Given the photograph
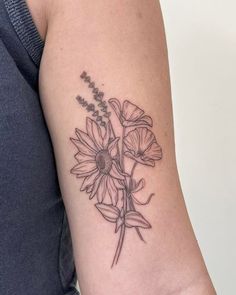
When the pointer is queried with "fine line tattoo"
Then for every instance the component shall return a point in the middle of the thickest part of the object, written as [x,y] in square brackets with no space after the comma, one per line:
[101,157]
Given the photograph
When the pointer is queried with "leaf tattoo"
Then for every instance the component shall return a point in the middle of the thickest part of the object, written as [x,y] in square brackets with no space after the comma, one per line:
[101,156]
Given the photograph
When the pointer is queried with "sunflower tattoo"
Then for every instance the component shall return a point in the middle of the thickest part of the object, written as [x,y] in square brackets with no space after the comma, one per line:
[101,156]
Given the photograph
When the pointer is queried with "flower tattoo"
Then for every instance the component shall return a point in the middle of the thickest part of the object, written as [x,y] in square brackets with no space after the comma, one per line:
[141,146]
[96,162]
[129,114]
[101,157]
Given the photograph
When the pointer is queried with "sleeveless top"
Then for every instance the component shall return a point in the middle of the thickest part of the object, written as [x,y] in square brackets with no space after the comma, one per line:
[35,244]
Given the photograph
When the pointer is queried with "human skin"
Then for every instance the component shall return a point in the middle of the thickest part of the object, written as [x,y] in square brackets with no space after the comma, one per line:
[121,45]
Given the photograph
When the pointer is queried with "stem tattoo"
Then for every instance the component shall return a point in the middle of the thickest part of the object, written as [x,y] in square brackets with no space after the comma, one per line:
[101,157]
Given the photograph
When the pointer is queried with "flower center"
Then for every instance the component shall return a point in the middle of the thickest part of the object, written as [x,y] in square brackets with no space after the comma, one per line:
[140,153]
[104,161]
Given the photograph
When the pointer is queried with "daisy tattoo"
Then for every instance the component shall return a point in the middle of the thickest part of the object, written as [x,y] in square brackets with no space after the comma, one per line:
[101,157]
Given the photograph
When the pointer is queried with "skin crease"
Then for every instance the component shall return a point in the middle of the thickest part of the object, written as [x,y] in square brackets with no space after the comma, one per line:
[39,15]
[180,269]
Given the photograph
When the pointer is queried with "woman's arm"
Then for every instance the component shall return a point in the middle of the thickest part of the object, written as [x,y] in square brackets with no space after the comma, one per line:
[105,91]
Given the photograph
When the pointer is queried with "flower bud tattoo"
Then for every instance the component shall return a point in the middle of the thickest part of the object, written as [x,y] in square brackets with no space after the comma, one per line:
[101,156]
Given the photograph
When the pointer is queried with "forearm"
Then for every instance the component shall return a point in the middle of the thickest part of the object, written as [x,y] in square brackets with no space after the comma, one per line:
[125,56]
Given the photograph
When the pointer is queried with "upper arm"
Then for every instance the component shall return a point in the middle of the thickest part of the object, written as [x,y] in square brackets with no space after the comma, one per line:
[121,47]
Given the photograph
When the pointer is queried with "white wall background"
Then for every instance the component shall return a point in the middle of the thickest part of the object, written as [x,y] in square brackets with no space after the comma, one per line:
[201,37]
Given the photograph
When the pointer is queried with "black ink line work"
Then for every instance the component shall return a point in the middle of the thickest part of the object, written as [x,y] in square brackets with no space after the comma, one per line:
[101,158]
[97,94]
[90,107]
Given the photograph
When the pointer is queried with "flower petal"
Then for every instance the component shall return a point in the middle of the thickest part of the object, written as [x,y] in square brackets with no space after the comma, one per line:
[107,135]
[146,138]
[131,112]
[112,190]
[115,104]
[154,152]
[85,139]
[89,180]
[146,120]
[140,185]
[89,189]
[118,184]
[83,158]
[130,123]
[113,147]
[102,189]
[83,168]
[114,172]
[96,185]
[82,175]
[94,132]
[131,141]
[147,161]
[82,148]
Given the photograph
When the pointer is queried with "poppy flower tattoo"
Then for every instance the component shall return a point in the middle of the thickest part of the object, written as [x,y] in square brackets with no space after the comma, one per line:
[101,156]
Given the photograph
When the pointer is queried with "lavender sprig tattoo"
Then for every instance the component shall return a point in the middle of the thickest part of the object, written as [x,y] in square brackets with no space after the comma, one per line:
[101,162]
